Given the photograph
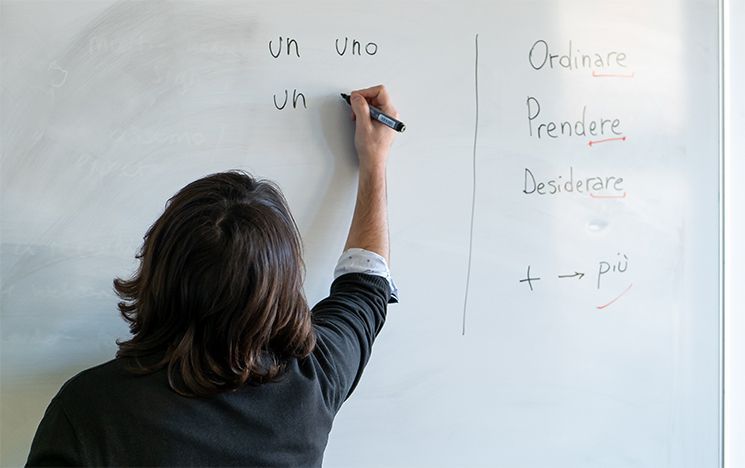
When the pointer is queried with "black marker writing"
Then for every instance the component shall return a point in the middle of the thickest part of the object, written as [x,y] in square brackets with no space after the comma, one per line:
[290,44]
[540,57]
[371,48]
[295,99]
[581,127]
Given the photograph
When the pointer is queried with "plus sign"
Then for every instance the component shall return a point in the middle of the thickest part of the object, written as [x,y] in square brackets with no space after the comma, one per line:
[529,279]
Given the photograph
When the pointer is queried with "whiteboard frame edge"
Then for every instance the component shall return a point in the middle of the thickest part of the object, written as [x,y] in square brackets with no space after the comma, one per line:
[721,9]
[733,114]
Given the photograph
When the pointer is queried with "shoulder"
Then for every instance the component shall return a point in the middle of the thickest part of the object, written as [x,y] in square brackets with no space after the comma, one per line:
[106,369]
[91,381]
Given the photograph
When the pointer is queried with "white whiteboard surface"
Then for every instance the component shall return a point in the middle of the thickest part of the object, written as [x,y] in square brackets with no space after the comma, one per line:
[108,108]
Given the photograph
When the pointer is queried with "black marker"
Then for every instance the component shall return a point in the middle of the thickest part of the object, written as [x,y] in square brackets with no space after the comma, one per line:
[380,116]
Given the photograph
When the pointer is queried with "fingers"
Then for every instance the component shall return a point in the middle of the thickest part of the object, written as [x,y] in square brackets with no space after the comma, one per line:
[378,96]
[360,108]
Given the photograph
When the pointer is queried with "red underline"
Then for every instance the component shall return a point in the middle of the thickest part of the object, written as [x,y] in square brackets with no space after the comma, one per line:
[608,196]
[614,300]
[612,75]
[606,140]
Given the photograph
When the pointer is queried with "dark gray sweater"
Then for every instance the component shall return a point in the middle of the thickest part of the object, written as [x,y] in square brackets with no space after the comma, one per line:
[105,416]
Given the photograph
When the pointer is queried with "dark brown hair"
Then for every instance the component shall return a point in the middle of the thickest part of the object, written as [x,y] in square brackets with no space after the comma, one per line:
[218,296]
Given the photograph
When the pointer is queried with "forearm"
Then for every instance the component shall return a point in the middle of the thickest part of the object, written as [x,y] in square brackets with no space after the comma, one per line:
[369,227]
[372,140]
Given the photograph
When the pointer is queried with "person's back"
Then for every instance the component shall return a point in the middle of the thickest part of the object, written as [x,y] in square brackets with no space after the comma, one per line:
[136,421]
[227,366]
[107,416]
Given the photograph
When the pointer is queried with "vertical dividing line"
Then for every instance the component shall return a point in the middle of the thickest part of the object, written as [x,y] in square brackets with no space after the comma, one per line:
[473,195]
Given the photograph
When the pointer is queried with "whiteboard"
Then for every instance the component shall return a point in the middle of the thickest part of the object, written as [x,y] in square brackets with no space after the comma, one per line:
[573,328]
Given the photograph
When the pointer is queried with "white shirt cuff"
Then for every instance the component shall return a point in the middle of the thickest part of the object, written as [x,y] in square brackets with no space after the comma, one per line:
[364,261]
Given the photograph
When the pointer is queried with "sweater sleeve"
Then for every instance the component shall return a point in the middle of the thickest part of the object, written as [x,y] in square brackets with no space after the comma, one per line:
[346,324]
[55,442]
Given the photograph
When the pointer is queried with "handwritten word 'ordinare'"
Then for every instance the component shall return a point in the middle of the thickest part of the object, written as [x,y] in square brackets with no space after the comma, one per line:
[581,127]
[540,57]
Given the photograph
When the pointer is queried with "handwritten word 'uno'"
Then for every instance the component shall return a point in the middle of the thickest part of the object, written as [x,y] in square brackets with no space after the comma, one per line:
[371,48]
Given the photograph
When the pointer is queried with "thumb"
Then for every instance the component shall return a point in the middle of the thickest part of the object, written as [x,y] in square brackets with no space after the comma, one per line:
[360,108]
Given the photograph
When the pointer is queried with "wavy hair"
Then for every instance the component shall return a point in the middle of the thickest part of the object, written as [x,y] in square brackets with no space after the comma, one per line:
[218,296]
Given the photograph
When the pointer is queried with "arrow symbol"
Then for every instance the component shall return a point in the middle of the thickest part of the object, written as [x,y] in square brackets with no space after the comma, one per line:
[576,273]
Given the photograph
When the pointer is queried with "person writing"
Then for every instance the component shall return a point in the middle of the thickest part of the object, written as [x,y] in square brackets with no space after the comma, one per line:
[227,365]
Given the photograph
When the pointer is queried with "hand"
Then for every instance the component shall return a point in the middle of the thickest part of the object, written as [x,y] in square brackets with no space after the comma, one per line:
[372,139]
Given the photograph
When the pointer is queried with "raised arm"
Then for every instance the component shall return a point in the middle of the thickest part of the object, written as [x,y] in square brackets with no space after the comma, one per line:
[348,321]
[369,227]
